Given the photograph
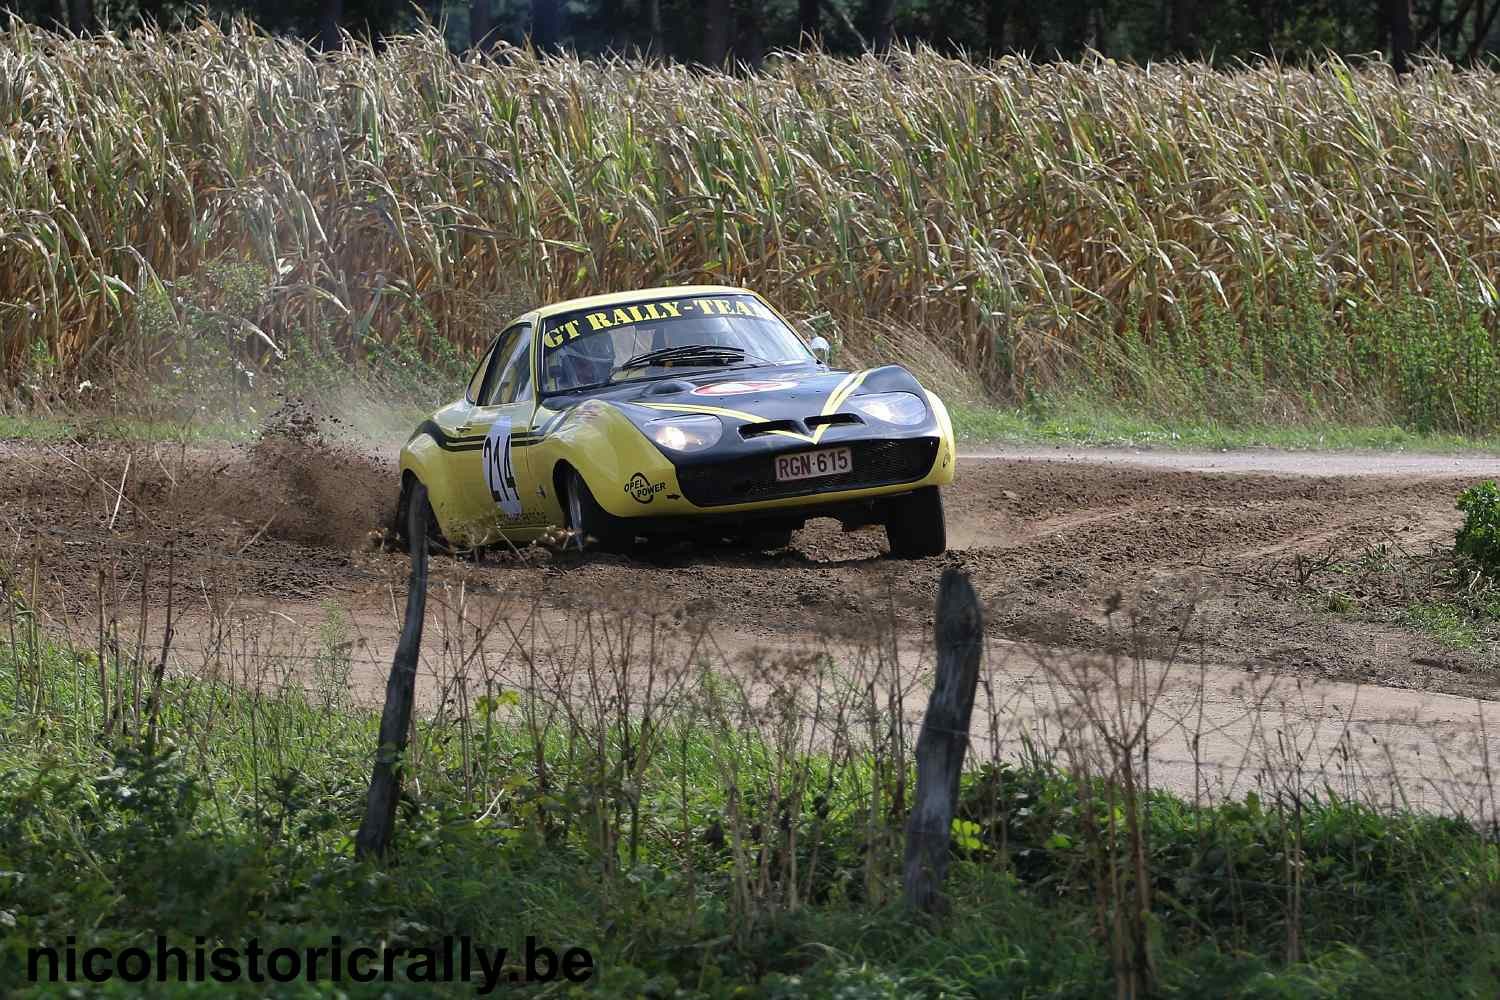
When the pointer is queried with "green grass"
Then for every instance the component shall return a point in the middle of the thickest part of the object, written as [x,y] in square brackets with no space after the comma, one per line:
[1432,590]
[238,825]
[34,429]
[1446,622]
[1079,421]
[1463,615]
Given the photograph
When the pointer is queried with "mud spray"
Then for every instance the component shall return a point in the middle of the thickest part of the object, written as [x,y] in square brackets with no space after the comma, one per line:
[321,472]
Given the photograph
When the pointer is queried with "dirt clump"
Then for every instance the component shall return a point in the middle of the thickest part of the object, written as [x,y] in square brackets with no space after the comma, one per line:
[319,491]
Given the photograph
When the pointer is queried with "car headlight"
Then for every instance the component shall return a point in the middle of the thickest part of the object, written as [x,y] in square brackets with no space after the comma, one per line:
[692,433]
[904,408]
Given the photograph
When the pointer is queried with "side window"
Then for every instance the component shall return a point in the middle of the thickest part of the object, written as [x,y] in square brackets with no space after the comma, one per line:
[513,384]
[505,346]
[476,382]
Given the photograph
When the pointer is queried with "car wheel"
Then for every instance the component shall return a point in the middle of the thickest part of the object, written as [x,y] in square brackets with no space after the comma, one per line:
[590,523]
[914,525]
[414,510]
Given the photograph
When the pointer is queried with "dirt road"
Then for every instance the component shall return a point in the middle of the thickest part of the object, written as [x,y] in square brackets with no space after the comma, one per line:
[1263,460]
[1255,567]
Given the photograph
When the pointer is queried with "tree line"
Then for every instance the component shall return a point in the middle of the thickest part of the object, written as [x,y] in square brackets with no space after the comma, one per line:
[713,31]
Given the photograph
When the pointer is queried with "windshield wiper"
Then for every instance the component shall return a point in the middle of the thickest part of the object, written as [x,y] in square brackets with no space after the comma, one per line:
[702,354]
[575,388]
[698,355]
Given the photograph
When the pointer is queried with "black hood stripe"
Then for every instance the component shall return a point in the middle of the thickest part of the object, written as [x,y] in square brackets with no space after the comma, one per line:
[443,440]
[841,392]
[474,442]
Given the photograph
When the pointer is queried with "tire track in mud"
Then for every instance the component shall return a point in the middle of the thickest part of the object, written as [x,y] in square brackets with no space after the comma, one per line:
[291,519]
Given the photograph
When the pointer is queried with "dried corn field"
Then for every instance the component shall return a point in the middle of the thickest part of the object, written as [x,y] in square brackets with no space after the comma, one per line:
[1271,239]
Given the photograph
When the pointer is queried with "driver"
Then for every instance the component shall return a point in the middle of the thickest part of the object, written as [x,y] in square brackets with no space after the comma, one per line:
[585,361]
[590,360]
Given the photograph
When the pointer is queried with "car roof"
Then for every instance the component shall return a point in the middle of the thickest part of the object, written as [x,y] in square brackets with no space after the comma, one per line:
[636,295]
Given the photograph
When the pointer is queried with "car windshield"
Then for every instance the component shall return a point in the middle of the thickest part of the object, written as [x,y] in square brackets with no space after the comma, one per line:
[654,337]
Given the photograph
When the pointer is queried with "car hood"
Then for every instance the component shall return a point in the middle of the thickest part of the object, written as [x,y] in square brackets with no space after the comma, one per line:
[776,392]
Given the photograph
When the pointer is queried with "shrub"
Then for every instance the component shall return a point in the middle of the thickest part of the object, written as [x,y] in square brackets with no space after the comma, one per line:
[1479,538]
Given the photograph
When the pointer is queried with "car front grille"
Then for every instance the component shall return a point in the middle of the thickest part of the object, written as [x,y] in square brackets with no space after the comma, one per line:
[745,480]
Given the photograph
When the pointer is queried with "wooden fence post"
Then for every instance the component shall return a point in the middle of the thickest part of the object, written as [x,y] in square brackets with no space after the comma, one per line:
[378,827]
[959,633]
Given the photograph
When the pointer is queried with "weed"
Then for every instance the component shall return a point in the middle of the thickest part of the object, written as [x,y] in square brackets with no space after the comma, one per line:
[1444,621]
[333,663]
[1479,537]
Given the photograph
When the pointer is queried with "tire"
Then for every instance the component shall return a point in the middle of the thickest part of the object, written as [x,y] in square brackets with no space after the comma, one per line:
[414,509]
[914,525]
[591,524]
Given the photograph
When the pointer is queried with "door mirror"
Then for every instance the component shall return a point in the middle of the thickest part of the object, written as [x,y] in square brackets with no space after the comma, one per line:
[820,348]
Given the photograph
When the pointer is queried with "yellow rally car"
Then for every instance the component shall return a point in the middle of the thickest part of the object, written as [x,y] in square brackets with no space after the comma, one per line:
[689,411]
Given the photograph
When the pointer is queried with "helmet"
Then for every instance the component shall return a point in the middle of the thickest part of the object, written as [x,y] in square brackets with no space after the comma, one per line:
[585,361]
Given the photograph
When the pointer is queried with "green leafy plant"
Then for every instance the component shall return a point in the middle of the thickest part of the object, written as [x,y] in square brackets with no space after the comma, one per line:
[1479,538]
[966,835]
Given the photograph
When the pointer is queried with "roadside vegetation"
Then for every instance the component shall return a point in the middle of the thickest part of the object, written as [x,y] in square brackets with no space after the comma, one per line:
[1077,419]
[1259,247]
[1468,615]
[703,836]
[1462,608]
[1449,594]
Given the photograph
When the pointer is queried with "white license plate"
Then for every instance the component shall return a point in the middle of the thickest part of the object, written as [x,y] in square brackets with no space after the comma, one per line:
[812,464]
